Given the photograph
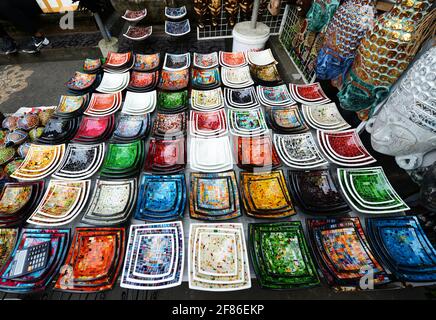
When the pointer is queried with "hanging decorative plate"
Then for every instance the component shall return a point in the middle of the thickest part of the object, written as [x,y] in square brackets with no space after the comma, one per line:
[403,247]
[138,32]
[40,278]
[343,253]
[280,255]
[299,151]
[93,261]
[161,197]
[232,59]
[134,15]
[256,152]
[155,256]
[177,28]
[368,191]
[217,257]
[308,94]
[174,80]
[208,124]
[214,196]
[175,13]
[286,119]
[210,155]
[265,195]
[316,192]
[205,60]
[112,202]
[169,126]
[146,62]
[27,122]
[166,156]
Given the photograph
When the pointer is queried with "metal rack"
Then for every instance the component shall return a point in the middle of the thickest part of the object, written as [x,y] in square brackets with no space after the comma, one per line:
[223,30]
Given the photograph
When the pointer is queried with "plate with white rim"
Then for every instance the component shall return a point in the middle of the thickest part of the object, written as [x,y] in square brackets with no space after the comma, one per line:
[77,163]
[217,116]
[177,28]
[241,98]
[326,115]
[247,122]
[308,94]
[212,155]
[232,59]
[134,15]
[175,13]
[151,277]
[209,258]
[205,60]
[314,125]
[224,284]
[261,58]
[324,142]
[275,96]
[177,62]
[139,102]
[137,33]
[236,77]
[207,99]
[113,82]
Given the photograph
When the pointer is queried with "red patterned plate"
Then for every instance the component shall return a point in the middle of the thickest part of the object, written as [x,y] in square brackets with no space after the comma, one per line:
[165,154]
[256,152]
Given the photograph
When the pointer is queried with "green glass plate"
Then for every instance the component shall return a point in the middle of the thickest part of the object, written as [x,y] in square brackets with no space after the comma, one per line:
[172,100]
[122,157]
[280,256]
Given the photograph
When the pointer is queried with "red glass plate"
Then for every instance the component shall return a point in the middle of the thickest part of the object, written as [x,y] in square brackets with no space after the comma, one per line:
[256,152]
[94,127]
[142,79]
[165,153]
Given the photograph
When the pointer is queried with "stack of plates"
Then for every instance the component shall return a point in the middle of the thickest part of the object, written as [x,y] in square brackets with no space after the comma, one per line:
[265,194]
[308,94]
[261,58]
[208,124]
[316,193]
[17,200]
[286,119]
[161,197]
[217,257]
[39,279]
[344,148]
[80,161]
[265,75]
[62,202]
[205,60]
[280,256]
[247,123]
[155,256]
[205,79]
[324,117]
[139,103]
[40,161]
[343,253]
[92,65]
[274,96]
[95,130]
[143,81]
[71,106]
[172,102]
[245,98]
[232,59]
[210,155]
[299,151]
[138,33]
[131,128]
[214,196]
[94,260]
[174,80]
[113,82]
[104,104]
[169,126]
[177,62]
[82,83]
[403,247]
[146,62]
[59,130]
[119,62]
[166,156]
[236,77]
[207,100]
[369,191]
[256,152]
[112,202]
[123,161]
[177,28]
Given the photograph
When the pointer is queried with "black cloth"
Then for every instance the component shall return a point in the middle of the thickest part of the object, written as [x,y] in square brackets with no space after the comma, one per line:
[23,14]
